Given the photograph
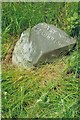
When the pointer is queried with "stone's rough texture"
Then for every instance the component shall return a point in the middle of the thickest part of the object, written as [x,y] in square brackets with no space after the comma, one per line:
[46,42]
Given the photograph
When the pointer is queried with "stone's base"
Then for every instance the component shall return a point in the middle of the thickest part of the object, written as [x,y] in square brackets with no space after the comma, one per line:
[45,43]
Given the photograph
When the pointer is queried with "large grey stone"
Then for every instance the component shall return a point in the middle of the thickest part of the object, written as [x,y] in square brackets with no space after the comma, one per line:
[42,44]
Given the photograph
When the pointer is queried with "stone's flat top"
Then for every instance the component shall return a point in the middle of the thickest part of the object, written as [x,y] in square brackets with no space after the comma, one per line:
[51,32]
[51,36]
[46,41]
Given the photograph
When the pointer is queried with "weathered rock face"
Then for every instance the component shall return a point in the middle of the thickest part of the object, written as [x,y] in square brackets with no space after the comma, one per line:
[44,44]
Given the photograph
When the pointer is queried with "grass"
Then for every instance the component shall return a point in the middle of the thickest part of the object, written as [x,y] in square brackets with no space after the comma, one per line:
[19,16]
[42,92]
